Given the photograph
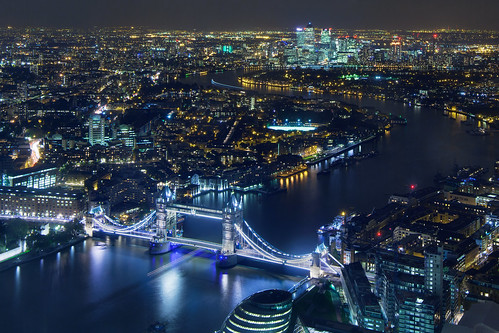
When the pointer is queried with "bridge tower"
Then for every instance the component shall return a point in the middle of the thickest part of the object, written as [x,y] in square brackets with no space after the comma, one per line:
[232,220]
[315,268]
[166,223]
[89,224]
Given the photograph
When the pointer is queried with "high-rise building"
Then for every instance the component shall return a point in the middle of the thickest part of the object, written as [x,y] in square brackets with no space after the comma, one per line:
[420,281]
[22,96]
[396,48]
[326,51]
[96,130]
[364,307]
[326,38]
[300,37]
[309,37]
[418,314]
[434,270]
[305,38]
[342,44]
[266,311]
[127,135]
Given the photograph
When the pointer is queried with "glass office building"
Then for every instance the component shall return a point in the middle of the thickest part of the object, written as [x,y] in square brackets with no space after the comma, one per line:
[266,311]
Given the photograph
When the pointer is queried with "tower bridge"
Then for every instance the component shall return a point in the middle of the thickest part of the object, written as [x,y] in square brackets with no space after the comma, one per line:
[239,240]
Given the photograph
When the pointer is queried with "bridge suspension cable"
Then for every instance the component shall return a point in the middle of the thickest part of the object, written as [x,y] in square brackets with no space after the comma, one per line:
[116,227]
[266,250]
[269,247]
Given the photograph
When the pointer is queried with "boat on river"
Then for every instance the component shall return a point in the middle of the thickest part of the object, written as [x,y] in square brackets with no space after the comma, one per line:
[478,132]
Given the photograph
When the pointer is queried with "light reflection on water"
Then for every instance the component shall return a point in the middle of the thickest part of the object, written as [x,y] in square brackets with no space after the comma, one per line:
[105,287]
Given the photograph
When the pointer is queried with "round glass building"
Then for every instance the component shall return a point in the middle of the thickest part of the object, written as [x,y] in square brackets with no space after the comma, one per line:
[266,311]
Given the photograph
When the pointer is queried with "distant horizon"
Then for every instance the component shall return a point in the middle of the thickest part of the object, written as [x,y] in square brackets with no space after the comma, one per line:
[233,15]
[256,29]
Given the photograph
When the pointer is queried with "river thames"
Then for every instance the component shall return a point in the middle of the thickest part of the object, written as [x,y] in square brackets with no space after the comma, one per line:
[411,154]
[114,285]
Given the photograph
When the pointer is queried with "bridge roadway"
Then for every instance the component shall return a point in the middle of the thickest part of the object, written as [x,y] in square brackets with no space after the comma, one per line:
[195,211]
[195,243]
[256,255]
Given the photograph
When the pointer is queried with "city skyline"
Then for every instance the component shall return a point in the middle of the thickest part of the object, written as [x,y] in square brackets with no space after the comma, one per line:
[227,15]
[259,180]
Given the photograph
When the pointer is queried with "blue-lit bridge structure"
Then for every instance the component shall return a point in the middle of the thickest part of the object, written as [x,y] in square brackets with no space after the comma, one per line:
[239,240]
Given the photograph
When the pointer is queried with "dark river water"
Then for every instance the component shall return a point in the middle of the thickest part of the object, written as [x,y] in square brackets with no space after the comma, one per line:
[114,285]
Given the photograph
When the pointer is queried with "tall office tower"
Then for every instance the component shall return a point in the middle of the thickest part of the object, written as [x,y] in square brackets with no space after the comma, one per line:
[396,48]
[326,38]
[325,53]
[342,44]
[300,37]
[266,311]
[96,130]
[434,44]
[127,135]
[412,289]
[364,307]
[416,314]
[352,44]
[309,37]
[22,96]
[434,271]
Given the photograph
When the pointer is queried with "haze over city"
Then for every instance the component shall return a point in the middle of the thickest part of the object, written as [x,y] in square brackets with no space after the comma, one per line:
[257,14]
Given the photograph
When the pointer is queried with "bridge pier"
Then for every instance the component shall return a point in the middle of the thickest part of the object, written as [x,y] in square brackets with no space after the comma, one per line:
[158,246]
[226,260]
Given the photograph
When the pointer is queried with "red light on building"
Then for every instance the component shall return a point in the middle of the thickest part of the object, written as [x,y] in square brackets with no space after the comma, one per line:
[435,36]
[378,234]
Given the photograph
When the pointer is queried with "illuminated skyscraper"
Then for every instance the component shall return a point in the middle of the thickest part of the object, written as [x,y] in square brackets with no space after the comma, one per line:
[300,37]
[96,130]
[434,270]
[396,48]
[309,37]
[127,135]
[305,37]
[342,44]
[22,96]
[326,50]
[326,38]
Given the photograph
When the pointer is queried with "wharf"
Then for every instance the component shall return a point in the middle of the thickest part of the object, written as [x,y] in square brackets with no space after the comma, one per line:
[338,151]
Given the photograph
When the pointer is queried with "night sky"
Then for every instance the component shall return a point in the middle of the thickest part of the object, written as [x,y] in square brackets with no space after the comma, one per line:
[265,14]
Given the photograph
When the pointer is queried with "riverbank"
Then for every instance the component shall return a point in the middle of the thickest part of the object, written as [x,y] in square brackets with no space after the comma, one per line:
[29,256]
